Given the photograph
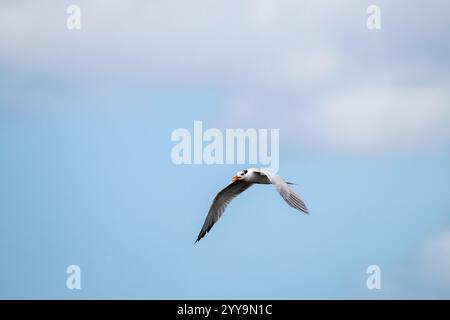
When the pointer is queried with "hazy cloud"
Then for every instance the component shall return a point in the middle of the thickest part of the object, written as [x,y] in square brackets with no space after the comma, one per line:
[310,68]
[434,259]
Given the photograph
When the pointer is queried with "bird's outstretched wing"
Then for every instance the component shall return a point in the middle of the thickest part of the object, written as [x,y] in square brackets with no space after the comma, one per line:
[286,192]
[221,201]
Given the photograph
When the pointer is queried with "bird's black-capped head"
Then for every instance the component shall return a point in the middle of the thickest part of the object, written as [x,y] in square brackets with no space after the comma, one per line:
[240,175]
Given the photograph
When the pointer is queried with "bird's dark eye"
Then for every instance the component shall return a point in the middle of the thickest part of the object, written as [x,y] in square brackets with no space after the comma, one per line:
[245,171]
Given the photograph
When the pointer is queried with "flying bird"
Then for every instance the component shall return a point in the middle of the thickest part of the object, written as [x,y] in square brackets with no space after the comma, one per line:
[241,182]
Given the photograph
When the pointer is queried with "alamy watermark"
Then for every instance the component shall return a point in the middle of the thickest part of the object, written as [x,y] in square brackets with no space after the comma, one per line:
[373,21]
[234,146]
[374,279]
[73,21]
[73,281]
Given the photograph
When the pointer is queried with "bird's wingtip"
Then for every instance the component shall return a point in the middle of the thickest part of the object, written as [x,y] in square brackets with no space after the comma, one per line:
[198,239]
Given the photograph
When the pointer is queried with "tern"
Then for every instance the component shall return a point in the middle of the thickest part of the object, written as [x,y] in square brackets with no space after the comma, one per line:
[241,182]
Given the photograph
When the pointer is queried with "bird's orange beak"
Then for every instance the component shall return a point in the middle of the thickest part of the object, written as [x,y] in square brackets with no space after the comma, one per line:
[235,178]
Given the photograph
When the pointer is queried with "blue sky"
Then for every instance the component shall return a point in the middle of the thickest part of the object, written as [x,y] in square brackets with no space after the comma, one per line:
[87,179]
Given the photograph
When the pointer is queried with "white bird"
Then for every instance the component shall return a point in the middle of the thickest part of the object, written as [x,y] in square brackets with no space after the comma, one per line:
[241,182]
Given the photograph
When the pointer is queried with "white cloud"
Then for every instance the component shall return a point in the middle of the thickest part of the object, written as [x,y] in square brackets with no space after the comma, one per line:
[378,120]
[434,259]
[425,273]
[310,68]
[232,44]
[362,121]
